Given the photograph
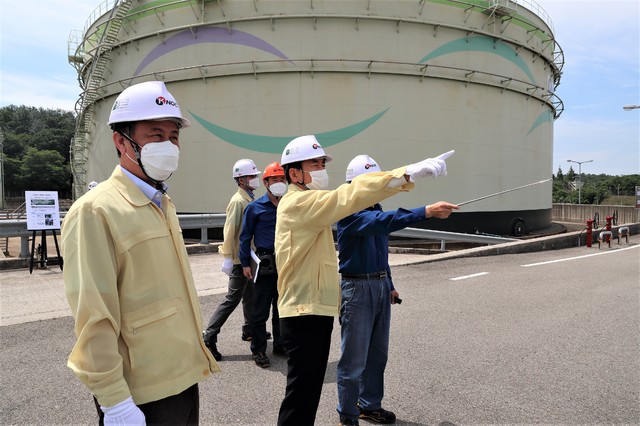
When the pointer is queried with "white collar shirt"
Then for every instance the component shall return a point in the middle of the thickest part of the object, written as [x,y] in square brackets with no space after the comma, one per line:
[155,195]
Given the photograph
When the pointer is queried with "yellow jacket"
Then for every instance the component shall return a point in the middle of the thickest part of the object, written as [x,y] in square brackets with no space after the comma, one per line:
[230,246]
[129,285]
[308,281]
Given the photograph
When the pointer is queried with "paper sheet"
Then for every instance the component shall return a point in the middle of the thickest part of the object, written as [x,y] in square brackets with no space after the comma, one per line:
[255,265]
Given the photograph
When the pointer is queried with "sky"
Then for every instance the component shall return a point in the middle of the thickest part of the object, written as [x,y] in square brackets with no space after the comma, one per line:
[600,40]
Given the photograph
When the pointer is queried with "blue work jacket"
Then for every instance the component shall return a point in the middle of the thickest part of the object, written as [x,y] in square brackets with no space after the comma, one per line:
[363,238]
[259,224]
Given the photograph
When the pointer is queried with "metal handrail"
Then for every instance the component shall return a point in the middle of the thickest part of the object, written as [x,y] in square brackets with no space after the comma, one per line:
[451,236]
[18,228]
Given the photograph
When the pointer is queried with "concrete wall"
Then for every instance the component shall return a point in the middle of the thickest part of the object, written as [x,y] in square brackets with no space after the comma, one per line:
[580,213]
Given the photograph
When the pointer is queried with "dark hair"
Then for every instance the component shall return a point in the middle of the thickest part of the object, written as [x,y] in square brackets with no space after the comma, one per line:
[127,127]
[295,165]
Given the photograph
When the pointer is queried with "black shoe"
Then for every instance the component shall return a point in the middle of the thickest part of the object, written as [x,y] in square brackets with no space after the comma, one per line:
[247,336]
[261,359]
[280,350]
[378,416]
[214,351]
[344,421]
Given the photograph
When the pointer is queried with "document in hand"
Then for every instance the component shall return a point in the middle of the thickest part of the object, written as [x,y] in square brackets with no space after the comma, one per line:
[255,265]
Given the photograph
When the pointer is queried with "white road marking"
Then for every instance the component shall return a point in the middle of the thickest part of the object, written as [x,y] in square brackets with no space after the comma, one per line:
[580,257]
[468,276]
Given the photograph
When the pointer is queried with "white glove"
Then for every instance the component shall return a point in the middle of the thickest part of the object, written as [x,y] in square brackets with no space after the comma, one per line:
[430,167]
[227,266]
[123,413]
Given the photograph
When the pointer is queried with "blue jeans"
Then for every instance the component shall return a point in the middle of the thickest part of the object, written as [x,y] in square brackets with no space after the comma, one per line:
[365,314]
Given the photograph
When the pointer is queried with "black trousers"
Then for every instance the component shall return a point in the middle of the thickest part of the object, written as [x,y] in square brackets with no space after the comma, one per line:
[180,409]
[308,340]
[265,295]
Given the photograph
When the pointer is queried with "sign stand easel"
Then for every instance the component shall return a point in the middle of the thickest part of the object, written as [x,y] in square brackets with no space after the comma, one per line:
[43,215]
[43,260]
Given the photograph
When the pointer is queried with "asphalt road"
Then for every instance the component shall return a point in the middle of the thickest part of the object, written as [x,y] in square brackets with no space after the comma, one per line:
[549,337]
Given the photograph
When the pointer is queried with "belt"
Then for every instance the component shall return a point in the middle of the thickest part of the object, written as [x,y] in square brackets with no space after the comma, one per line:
[370,276]
[260,251]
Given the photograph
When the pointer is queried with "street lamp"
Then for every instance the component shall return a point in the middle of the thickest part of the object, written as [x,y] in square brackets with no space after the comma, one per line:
[580,163]
[630,107]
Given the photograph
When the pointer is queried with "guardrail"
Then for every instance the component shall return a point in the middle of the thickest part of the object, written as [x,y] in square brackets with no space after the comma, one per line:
[18,228]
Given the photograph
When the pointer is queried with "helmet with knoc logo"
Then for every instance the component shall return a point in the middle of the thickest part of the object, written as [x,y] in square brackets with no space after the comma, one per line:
[361,164]
[303,148]
[146,101]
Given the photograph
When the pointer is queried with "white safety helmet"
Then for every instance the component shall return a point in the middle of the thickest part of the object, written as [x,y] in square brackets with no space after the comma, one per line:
[245,167]
[361,164]
[93,184]
[146,101]
[303,148]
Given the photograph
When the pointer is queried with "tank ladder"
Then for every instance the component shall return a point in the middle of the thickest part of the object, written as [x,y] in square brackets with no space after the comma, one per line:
[91,65]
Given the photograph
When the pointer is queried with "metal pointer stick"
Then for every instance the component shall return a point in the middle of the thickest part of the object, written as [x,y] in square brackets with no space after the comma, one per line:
[502,192]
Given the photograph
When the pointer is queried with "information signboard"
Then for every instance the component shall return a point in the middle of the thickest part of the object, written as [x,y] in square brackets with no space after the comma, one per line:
[43,212]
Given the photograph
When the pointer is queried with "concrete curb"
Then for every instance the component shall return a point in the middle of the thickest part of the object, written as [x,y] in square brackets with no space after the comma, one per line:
[552,242]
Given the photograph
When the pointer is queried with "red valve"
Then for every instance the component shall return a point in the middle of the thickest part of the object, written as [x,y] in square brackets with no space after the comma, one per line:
[589,232]
[608,219]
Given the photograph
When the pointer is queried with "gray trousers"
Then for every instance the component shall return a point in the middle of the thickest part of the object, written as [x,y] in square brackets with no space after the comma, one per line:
[239,290]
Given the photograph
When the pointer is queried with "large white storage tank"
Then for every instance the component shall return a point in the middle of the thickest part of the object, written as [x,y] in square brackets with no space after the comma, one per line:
[400,80]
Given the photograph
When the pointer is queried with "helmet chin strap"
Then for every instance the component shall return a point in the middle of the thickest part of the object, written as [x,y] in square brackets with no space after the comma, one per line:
[136,148]
[242,183]
[302,184]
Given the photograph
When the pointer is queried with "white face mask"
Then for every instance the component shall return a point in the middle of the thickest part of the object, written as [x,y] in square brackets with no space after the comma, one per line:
[254,183]
[160,159]
[278,189]
[319,179]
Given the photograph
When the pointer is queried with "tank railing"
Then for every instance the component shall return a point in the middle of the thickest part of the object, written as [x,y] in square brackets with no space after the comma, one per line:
[528,4]
[102,9]
[155,8]
[556,58]
[103,38]
[558,55]
[74,53]
[75,45]
[538,10]
[419,70]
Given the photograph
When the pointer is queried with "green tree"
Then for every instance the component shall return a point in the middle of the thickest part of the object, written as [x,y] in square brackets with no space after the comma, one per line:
[46,131]
[11,167]
[45,171]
